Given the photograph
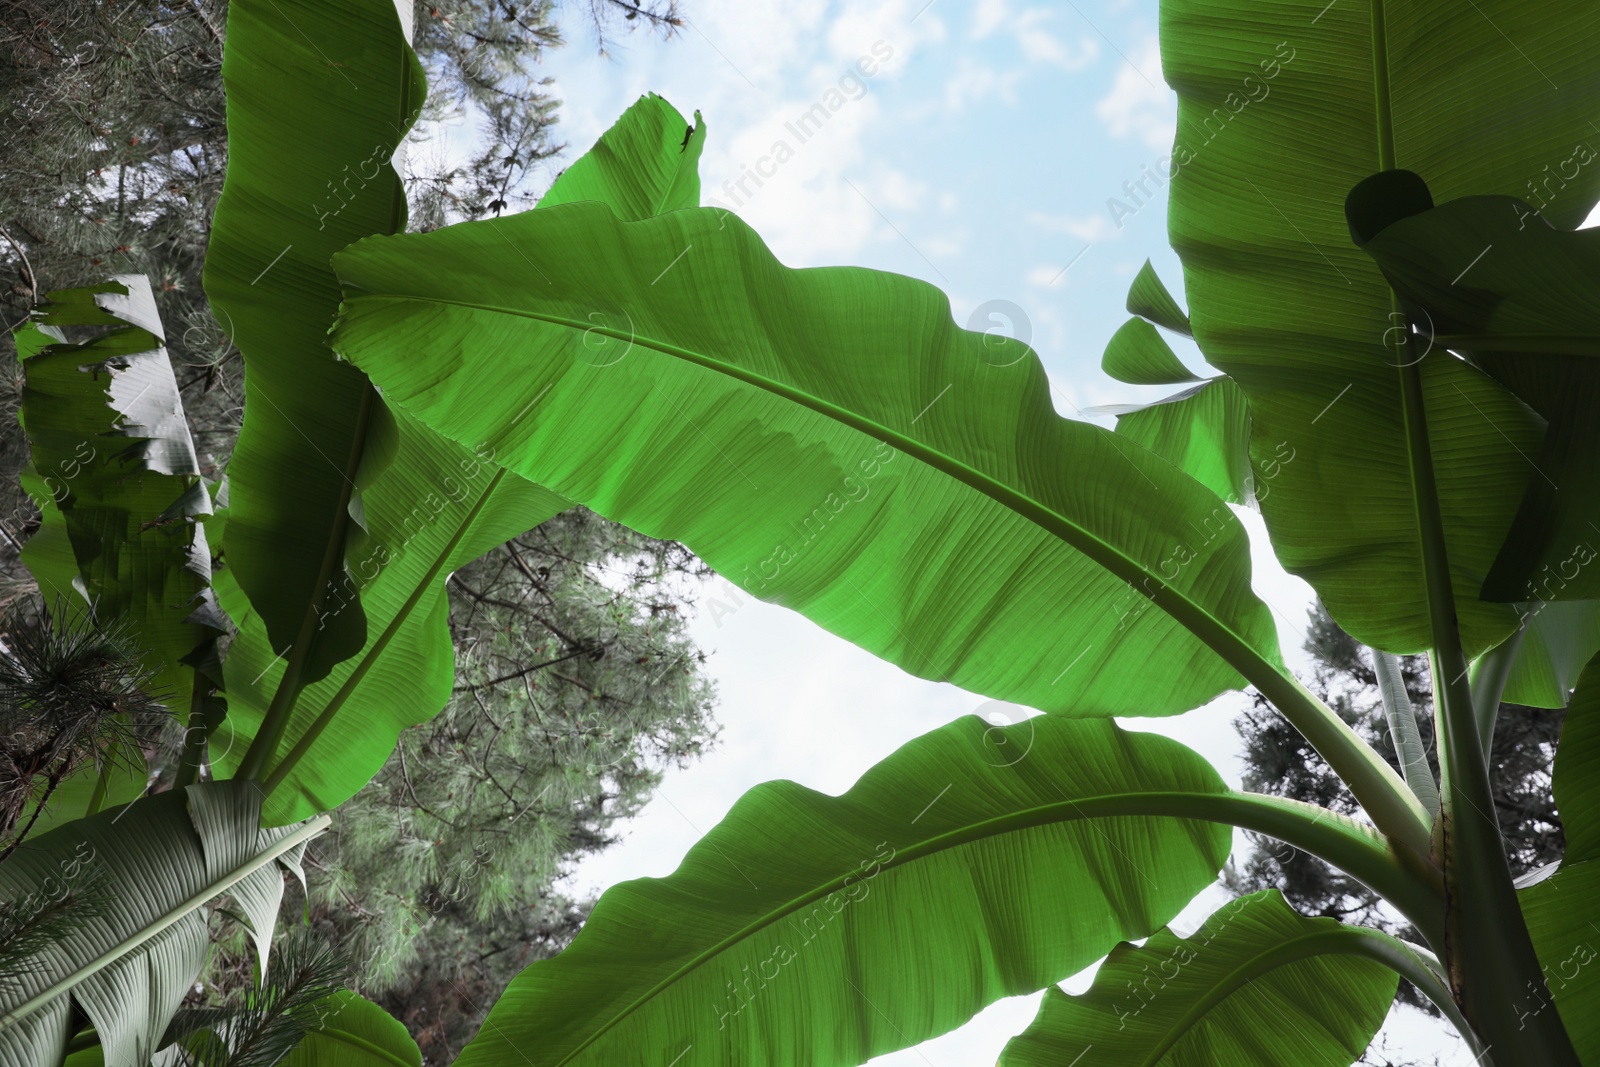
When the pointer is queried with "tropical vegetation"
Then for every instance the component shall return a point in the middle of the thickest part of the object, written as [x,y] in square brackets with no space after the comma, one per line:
[1403,342]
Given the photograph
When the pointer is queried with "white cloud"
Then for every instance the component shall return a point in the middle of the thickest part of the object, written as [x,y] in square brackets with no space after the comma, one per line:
[803,205]
[1087,228]
[896,189]
[1044,275]
[1040,45]
[1027,26]
[862,23]
[989,16]
[974,82]
[1139,103]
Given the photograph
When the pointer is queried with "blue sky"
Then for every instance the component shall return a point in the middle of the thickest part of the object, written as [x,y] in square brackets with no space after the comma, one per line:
[977,146]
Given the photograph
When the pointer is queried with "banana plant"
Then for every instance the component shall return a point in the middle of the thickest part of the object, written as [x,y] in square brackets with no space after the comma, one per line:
[304,730]
[746,391]
[346,516]
[829,440]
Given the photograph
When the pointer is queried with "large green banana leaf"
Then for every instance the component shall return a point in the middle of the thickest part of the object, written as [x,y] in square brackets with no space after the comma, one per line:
[828,439]
[128,884]
[1560,910]
[1280,114]
[820,930]
[114,474]
[435,506]
[1256,986]
[319,93]
[356,1033]
[1497,283]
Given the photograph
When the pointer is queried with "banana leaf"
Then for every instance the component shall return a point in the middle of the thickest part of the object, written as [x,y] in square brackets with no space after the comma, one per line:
[122,503]
[828,439]
[1488,277]
[976,862]
[1559,905]
[415,506]
[1258,985]
[1282,109]
[319,93]
[123,892]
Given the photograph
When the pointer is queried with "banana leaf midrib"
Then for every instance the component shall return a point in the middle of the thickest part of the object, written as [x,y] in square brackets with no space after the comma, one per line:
[667,187]
[1207,627]
[1189,804]
[171,916]
[334,1034]
[1341,941]
[378,647]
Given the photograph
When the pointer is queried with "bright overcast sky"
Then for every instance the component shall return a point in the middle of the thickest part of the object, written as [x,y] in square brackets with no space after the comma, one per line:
[979,156]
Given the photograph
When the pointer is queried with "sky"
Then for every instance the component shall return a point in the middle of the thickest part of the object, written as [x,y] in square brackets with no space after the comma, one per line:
[979,147]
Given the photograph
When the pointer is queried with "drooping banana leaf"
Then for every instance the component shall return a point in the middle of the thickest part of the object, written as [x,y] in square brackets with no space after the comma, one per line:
[1204,430]
[1138,355]
[435,506]
[828,439]
[128,885]
[1558,641]
[1490,278]
[1258,985]
[974,863]
[319,94]
[1149,298]
[1560,910]
[1280,114]
[114,474]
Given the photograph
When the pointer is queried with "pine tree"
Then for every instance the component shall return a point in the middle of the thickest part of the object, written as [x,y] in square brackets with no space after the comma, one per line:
[577,684]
